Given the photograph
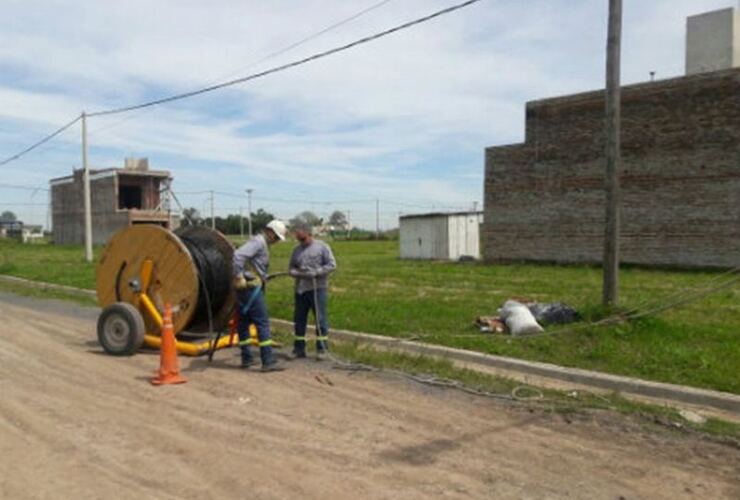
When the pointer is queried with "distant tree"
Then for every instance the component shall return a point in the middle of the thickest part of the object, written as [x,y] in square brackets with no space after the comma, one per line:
[306,217]
[191,216]
[8,216]
[232,223]
[260,218]
[338,220]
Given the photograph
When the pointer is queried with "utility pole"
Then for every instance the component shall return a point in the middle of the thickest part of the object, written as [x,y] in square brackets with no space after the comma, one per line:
[241,222]
[213,214]
[249,210]
[475,206]
[86,193]
[349,226]
[377,218]
[49,208]
[613,160]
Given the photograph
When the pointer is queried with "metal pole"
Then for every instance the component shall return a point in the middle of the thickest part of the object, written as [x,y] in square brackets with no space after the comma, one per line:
[349,225]
[86,193]
[249,209]
[613,116]
[213,213]
[377,219]
[241,222]
[169,203]
[49,208]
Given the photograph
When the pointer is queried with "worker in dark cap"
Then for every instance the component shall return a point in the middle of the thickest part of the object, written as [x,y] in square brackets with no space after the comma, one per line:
[310,264]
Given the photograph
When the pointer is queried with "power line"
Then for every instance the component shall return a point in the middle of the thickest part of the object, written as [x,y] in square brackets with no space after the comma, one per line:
[270,55]
[10,204]
[25,188]
[311,37]
[307,201]
[284,67]
[39,143]
[254,76]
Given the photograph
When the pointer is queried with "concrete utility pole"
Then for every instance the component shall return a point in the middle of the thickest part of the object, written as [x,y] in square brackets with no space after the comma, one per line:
[213,212]
[349,226]
[377,219]
[87,198]
[49,208]
[613,157]
[249,210]
[241,222]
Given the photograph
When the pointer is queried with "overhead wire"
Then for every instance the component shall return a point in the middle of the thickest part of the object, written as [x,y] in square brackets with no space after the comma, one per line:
[40,142]
[270,55]
[254,76]
[25,188]
[283,67]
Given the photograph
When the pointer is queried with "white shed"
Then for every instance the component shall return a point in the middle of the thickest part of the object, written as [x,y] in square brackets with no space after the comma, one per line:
[440,236]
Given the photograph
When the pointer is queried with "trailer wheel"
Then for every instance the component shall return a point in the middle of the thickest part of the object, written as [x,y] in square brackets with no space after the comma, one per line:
[121,329]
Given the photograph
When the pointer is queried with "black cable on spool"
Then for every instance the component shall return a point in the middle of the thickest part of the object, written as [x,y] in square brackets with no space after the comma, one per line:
[213,274]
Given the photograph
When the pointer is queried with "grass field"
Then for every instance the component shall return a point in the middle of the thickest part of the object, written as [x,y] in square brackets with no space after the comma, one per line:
[373,291]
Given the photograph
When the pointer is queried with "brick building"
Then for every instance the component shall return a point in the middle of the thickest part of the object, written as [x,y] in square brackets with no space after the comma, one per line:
[680,175]
[120,197]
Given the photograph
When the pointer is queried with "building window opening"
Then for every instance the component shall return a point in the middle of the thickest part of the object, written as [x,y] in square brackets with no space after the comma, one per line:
[129,197]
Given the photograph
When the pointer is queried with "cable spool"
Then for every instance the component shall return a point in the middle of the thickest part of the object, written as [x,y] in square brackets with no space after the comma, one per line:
[192,271]
[213,255]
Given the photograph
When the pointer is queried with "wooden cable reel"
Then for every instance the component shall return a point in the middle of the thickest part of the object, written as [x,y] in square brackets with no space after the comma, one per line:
[191,269]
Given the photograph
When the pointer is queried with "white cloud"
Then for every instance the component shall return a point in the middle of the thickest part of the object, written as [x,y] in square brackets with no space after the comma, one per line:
[403,118]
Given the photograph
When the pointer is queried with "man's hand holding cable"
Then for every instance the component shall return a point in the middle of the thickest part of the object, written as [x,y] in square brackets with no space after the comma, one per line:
[302,273]
[246,280]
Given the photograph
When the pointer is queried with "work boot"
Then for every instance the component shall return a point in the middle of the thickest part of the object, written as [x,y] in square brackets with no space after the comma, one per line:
[296,355]
[272,367]
[322,355]
[246,363]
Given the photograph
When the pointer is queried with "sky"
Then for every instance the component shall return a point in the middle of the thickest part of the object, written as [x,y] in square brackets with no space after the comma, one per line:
[403,120]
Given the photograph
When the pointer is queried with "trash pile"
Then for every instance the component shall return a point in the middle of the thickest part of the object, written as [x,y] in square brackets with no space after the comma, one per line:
[524,317]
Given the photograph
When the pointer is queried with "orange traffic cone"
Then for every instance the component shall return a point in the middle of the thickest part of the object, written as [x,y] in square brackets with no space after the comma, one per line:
[169,371]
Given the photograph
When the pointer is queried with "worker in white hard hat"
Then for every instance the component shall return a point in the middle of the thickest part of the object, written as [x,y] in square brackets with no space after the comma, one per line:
[251,262]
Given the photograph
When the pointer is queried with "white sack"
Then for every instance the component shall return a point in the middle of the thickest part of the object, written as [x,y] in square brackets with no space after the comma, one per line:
[518,318]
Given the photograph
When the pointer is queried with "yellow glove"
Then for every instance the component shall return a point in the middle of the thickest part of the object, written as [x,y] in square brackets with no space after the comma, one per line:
[240,283]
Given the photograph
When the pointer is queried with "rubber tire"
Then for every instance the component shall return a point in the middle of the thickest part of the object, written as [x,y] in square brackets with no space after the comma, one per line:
[128,322]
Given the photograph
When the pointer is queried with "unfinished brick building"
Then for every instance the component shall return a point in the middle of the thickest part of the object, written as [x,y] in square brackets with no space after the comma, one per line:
[544,199]
[680,175]
[120,197]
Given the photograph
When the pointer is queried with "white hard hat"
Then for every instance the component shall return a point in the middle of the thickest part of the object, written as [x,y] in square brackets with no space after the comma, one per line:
[278,227]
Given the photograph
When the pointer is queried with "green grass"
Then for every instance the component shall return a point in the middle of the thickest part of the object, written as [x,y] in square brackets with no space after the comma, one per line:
[561,402]
[373,291]
[25,290]
[565,403]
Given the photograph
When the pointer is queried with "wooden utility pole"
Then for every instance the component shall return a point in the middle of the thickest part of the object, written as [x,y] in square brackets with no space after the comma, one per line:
[613,159]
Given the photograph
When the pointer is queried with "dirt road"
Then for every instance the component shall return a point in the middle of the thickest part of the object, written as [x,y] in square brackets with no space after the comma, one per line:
[78,424]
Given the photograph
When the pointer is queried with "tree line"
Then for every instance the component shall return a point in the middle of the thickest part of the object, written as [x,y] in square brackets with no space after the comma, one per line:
[336,225]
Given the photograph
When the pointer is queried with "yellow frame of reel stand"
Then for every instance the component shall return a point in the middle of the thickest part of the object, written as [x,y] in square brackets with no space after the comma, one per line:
[187,348]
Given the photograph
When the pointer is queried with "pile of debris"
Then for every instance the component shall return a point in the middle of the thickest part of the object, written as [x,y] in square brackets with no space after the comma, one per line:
[522,317]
